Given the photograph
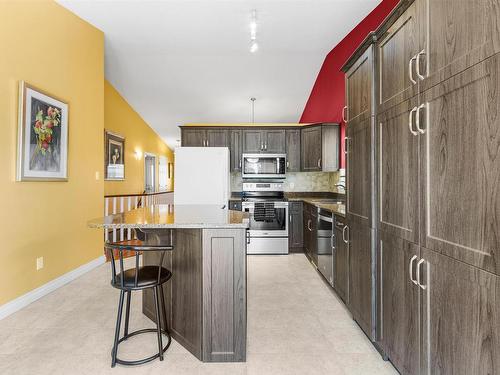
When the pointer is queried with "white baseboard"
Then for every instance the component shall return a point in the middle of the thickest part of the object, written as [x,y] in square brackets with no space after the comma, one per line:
[24,300]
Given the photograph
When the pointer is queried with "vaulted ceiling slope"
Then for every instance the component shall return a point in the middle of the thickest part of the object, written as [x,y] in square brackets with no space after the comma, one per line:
[189,61]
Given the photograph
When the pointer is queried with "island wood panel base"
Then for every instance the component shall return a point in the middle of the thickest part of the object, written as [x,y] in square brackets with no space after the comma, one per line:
[206,297]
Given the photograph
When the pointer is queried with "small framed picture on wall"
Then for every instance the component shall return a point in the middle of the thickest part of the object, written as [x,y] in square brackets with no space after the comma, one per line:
[42,151]
[114,156]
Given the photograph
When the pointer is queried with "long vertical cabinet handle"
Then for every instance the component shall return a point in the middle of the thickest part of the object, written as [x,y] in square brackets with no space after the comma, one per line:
[412,260]
[420,130]
[319,163]
[410,69]
[410,121]
[419,74]
[344,114]
[419,264]
[346,145]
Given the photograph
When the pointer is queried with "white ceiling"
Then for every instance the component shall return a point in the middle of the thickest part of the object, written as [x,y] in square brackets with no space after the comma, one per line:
[189,61]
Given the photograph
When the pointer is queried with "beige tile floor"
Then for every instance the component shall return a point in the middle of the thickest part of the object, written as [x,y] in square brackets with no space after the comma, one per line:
[296,325]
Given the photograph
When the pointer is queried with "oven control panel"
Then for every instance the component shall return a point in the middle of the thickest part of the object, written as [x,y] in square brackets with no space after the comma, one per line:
[263,186]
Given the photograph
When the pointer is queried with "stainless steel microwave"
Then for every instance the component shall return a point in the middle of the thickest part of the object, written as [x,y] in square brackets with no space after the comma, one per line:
[264,166]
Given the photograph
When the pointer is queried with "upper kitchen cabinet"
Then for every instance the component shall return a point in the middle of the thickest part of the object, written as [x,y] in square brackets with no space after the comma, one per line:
[272,141]
[198,137]
[217,138]
[320,148]
[311,149]
[359,82]
[360,136]
[458,35]
[235,146]
[460,166]
[193,137]
[397,51]
[293,150]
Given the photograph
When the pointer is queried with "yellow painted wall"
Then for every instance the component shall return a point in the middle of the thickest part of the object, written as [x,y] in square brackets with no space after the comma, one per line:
[54,50]
[120,118]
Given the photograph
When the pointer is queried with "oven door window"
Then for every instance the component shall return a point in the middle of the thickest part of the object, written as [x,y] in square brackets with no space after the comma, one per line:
[269,219]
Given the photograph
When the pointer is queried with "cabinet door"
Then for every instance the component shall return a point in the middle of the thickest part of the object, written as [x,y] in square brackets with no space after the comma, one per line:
[193,137]
[217,138]
[275,141]
[330,146]
[311,149]
[360,301]
[397,162]
[358,176]
[253,141]
[313,234]
[461,318]
[293,150]
[461,167]
[341,274]
[399,303]
[296,232]
[395,53]
[359,86]
[235,148]
[307,230]
[460,35]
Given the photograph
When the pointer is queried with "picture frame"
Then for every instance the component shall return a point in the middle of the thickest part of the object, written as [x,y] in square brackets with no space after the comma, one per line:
[42,150]
[114,156]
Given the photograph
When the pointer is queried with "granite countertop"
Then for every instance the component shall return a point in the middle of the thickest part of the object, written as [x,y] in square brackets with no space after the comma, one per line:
[171,216]
[334,208]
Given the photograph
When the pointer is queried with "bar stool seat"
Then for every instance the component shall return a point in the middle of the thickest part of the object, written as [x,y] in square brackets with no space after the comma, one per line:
[147,276]
[136,279]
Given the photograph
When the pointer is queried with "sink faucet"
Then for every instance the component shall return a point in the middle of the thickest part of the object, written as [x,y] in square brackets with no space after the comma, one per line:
[340,186]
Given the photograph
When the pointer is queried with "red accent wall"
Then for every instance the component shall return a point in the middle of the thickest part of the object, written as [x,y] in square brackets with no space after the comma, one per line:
[327,97]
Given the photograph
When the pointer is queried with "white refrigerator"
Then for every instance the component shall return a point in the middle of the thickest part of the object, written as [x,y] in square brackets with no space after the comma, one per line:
[201,175]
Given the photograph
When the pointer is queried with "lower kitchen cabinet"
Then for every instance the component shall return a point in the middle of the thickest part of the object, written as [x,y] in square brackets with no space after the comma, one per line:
[461,317]
[360,299]
[341,264]
[399,302]
[310,219]
[296,228]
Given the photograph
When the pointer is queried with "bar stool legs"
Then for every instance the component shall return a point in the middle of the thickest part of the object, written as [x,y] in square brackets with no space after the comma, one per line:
[159,305]
[127,313]
[117,329]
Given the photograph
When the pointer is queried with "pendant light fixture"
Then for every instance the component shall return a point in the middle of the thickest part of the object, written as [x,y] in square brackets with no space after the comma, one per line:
[253,109]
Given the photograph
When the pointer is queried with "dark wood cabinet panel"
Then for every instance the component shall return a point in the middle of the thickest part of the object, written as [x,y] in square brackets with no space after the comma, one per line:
[359,86]
[461,318]
[235,147]
[293,150]
[309,232]
[399,303]
[460,167]
[311,149]
[296,227]
[330,148]
[217,138]
[360,299]
[397,160]
[193,138]
[274,141]
[341,265]
[460,35]
[397,53]
[253,141]
[358,174]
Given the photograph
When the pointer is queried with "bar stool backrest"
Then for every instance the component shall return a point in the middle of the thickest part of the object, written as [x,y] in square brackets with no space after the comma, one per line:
[116,252]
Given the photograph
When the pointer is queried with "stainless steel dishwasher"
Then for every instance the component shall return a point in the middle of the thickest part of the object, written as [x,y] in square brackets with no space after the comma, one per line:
[325,239]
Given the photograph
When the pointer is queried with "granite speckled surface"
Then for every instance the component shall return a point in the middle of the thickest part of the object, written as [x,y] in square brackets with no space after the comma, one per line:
[171,216]
[322,202]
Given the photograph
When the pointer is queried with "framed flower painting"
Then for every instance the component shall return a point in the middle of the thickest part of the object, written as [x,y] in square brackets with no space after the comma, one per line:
[42,136]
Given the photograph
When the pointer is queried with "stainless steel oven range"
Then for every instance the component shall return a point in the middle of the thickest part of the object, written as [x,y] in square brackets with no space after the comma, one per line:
[268,209]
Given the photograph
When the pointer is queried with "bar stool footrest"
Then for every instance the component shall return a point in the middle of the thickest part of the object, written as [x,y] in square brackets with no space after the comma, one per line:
[148,359]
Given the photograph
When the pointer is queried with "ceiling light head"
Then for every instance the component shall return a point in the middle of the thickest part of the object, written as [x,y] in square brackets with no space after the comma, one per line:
[254,47]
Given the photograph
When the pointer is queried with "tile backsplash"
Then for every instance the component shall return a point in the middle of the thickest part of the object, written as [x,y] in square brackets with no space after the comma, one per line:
[303,181]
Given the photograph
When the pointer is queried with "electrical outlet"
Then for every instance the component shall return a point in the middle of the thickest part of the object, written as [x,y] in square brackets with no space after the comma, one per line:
[97,176]
[39,263]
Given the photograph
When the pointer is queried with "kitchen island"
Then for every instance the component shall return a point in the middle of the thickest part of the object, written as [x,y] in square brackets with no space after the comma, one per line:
[206,296]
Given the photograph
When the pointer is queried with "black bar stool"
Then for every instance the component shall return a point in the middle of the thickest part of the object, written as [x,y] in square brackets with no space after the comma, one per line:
[137,279]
